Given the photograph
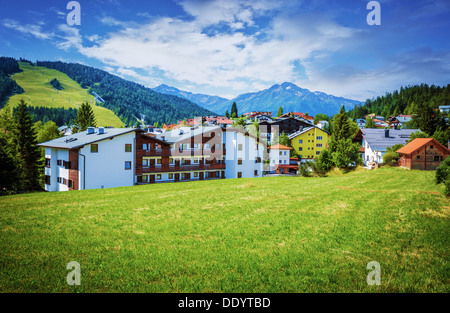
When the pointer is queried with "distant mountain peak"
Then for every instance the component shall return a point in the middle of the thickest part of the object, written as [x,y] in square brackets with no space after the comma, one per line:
[289,96]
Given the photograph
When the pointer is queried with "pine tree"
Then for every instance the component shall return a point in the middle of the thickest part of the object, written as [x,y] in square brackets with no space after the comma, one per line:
[85,118]
[280,111]
[28,153]
[369,123]
[227,114]
[234,110]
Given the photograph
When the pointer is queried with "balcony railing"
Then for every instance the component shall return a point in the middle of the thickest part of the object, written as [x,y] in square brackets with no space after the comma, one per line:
[176,168]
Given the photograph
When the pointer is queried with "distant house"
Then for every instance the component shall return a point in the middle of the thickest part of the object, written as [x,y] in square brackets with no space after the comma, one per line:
[376,141]
[308,142]
[279,158]
[322,124]
[423,154]
[255,113]
[403,118]
[361,122]
[287,125]
[444,108]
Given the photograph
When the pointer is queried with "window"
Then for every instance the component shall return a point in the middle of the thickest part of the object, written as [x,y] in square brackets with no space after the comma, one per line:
[256,172]
[239,175]
[300,149]
[66,165]
[158,161]
[59,162]
[319,145]
[195,174]
[170,176]
[58,179]
[418,157]
[319,138]
[281,153]
[144,146]
[183,176]
[70,184]
[158,177]
[300,141]
[128,147]
[436,158]
[431,147]
[94,148]
[218,174]
[47,180]
[195,161]
[171,161]
[128,165]
[145,163]
[47,164]
[183,161]
[239,161]
[318,152]
[64,181]
[240,147]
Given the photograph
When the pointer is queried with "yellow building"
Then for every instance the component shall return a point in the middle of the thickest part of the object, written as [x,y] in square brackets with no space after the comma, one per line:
[309,142]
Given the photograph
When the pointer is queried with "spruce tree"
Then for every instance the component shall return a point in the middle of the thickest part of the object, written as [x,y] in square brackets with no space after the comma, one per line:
[280,111]
[234,110]
[28,153]
[85,118]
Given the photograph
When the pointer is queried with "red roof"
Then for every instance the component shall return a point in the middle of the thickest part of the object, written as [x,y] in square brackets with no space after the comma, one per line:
[279,147]
[419,143]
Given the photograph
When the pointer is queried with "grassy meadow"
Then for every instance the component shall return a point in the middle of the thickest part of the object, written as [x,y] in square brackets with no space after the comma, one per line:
[271,234]
[35,80]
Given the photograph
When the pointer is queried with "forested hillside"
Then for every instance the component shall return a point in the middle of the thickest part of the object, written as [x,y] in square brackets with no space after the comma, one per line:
[405,101]
[8,86]
[127,99]
[420,101]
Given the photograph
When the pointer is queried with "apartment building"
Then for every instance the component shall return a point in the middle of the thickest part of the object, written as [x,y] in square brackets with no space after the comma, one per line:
[105,158]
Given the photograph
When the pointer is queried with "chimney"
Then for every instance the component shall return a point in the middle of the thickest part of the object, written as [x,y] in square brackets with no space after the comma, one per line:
[101,130]
[90,130]
[386,133]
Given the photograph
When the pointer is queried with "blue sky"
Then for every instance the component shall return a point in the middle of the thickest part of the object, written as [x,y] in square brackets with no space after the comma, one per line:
[229,47]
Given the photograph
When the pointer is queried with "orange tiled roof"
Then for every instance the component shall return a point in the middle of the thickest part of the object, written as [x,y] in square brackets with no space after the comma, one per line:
[280,147]
[418,143]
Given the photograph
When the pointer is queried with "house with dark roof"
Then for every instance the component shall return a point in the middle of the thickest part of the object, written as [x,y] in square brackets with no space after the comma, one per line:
[423,154]
[376,141]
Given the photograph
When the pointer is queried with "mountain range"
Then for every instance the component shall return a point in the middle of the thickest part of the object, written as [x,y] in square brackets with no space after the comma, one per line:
[287,95]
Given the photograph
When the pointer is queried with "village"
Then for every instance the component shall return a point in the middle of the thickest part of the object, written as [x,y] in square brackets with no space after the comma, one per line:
[215,147]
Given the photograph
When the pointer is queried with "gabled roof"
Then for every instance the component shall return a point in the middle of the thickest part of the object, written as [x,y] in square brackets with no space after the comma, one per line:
[377,139]
[279,147]
[304,130]
[419,143]
[81,139]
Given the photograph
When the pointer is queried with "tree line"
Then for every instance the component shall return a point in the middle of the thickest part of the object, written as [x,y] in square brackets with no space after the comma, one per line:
[128,100]
[22,161]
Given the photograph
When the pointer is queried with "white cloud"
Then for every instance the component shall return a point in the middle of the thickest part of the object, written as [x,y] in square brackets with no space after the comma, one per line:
[235,59]
[71,37]
[27,29]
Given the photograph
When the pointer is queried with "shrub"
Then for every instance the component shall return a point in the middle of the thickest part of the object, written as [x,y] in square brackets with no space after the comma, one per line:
[443,171]
[390,158]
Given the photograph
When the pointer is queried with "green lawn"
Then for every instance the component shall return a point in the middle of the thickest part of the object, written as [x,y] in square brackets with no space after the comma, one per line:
[273,234]
[35,80]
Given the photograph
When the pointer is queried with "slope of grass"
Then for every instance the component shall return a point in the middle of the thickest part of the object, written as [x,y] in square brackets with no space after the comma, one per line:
[273,234]
[35,80]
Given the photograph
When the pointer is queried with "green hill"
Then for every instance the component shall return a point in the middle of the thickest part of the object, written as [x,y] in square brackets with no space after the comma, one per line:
[38,92]
[271,234]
